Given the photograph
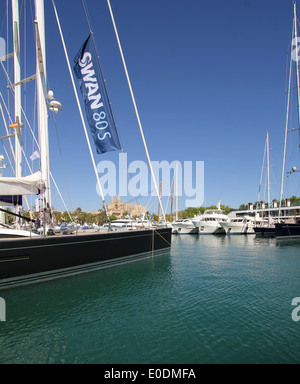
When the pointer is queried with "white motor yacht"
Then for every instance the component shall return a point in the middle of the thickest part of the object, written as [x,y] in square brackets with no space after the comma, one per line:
[117,225]
[209,223]
[183,227]
[239,225]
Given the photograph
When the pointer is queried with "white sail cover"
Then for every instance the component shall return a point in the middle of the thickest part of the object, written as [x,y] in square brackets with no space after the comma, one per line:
[29,185]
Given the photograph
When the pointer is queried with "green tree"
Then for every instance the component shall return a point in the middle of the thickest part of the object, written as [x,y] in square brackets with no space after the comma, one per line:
[57,216]
[101,217]
[66,217]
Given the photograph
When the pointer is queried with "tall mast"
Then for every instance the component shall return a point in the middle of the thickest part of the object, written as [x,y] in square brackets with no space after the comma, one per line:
[268,160]
[42,109]
[17,91]
[297,61]
[295,40]
[176,193]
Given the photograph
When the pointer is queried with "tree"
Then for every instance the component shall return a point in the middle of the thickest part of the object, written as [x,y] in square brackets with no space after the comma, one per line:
[82,217]
[57,217]
[295,200]
[101,217]
[9,218]
[66,217]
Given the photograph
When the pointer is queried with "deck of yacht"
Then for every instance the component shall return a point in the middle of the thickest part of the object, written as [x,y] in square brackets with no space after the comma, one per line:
[89,232]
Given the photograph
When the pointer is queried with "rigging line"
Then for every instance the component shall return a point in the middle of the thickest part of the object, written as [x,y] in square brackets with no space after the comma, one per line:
[135,108]
[10,119]
[66,208]
[262,171]
[7,155]
[155,231]
[87,15]
[100,66]
[80,111]
[62,160]
[6,129]
[34,139]
[285,139]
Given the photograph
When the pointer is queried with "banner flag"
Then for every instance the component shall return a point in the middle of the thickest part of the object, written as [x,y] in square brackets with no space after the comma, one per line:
[97,105]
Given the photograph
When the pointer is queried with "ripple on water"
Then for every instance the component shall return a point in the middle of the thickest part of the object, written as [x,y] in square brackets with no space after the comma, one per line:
[213,299]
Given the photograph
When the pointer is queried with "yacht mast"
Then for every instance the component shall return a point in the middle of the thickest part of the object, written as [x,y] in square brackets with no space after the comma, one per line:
[297,61]
[295,41]
[17,93]
[268,162]
[41,79]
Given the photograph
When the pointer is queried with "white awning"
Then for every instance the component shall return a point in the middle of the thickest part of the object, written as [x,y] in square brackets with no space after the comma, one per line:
[29,185]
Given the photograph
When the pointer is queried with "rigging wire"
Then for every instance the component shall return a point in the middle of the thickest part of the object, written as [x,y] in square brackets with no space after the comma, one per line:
[130,88]
[62,160]
[100,66]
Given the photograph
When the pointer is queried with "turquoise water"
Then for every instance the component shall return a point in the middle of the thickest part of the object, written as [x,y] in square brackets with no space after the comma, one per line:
[209,300]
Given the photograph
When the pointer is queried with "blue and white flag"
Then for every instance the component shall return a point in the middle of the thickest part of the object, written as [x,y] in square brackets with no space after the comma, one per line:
[99,114]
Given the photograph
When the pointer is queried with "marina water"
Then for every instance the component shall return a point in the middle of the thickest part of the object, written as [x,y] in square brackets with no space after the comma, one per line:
[211,299]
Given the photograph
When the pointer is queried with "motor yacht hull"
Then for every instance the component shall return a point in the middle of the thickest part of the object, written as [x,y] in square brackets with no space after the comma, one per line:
[237,228]
[208,228]
[184,228]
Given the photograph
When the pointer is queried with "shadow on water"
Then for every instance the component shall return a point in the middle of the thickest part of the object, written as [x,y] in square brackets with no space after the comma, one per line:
[65,319]
[290,243]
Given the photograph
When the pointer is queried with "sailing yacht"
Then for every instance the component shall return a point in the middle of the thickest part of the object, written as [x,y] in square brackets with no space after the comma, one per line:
[50,256]
[286,230]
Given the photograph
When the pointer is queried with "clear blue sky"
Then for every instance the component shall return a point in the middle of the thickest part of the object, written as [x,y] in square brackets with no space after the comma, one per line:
[209,79]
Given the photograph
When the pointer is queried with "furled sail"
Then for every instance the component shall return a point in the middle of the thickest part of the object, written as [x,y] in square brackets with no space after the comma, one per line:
[14,186]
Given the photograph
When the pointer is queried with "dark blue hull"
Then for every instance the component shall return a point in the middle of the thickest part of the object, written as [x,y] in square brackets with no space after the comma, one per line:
[24,261]
[287,231]
[265,232]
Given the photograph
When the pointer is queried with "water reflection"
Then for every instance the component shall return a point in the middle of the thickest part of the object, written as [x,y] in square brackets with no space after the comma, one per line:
[224,240]
[210,299]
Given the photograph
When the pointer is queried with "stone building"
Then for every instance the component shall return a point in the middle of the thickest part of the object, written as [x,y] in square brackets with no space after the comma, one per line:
[118,208]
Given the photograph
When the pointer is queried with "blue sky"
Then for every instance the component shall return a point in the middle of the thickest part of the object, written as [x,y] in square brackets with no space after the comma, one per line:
[209,79]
